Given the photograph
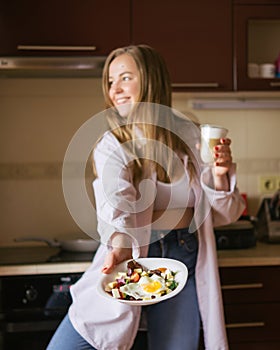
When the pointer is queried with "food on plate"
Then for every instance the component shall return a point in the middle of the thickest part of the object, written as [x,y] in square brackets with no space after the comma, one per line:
[140,283]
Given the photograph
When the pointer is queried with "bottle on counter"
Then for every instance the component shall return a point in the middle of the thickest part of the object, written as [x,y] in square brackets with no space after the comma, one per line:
[277,67]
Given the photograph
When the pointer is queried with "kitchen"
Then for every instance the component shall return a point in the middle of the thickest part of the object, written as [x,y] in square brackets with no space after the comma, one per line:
[40,115]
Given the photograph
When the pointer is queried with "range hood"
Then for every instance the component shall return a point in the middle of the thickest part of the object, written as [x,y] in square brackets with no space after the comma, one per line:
[48,67]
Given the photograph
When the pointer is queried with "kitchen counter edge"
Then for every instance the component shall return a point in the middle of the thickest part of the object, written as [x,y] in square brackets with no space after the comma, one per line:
[262,254]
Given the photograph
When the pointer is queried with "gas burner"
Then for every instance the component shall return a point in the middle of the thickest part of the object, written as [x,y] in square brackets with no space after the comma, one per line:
[64,256]
[40,255]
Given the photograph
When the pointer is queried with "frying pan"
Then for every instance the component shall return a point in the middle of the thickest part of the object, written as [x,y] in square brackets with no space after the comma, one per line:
[69,245]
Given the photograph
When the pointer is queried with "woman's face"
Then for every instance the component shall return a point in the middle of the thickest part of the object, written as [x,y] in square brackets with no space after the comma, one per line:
[124,83]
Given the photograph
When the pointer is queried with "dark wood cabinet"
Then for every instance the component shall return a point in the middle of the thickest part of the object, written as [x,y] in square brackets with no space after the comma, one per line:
[206,44]
[256,2]
[195,38]
[251,298]
[256,41]
[64,27]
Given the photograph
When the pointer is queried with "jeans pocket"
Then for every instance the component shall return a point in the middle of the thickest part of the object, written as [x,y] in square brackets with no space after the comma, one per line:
[189,242]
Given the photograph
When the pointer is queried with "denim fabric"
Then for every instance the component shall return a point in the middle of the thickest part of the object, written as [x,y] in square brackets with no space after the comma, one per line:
[175,323]
[67,338]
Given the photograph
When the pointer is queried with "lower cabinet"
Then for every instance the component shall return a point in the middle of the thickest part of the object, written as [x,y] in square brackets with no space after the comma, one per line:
[251,298]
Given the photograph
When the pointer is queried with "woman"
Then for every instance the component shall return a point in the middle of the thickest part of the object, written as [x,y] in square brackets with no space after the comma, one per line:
[153,198]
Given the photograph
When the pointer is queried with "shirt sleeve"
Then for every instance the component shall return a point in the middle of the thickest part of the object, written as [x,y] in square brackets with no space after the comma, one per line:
[115,194]
[226,206]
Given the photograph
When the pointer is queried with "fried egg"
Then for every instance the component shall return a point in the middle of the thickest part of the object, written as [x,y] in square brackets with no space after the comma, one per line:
[145,288]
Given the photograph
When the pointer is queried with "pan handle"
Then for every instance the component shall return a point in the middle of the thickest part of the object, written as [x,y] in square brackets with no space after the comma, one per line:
[50,242]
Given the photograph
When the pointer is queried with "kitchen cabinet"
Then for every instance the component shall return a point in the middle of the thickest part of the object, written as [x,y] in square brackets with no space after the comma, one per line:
[255,2]
[251,296]
[194,37]
[256,42]
[64,27]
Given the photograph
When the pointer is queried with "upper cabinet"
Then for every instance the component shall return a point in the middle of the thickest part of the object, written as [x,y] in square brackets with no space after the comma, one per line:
[194,37]
[211,46]
[256,44]
[64,27]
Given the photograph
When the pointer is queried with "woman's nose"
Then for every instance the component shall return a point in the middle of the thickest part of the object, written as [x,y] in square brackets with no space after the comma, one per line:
[116,87]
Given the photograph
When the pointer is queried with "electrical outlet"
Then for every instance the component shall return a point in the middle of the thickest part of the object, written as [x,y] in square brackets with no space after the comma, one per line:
[277,183]
[269,183]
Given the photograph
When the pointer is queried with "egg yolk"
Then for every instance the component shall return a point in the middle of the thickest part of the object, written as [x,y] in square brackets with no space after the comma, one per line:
[151,287]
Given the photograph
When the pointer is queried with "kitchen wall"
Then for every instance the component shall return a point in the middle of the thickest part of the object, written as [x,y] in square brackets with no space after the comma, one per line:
[38,118]
[254,134]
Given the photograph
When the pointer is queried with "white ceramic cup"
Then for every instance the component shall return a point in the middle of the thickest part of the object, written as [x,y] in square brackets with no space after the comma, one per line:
[210,137]
[267,70]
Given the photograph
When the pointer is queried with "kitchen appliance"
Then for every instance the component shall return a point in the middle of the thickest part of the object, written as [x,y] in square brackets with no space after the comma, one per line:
[269,219]
[238,235]
[80,66]
[69,245]
[32,306]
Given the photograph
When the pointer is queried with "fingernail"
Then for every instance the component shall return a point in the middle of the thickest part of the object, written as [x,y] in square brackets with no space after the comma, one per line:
[217,163]
[216,155]
[223,140]
[216,148]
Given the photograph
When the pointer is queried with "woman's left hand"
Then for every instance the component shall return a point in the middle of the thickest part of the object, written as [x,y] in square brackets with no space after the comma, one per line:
[222,157]
[222,164]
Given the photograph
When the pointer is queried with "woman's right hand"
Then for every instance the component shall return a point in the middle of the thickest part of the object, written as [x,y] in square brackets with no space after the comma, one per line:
[121,251]
[115,257]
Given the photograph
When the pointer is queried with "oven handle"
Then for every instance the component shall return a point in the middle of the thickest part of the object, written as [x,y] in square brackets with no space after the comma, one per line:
[15,327]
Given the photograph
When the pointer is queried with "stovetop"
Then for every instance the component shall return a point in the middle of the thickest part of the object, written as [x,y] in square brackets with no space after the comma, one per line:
[40,255]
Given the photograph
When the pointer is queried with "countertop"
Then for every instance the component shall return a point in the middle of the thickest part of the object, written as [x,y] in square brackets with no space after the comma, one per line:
[262,254]
[41,260]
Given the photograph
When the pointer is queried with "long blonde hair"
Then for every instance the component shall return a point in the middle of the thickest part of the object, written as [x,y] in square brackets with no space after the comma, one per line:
[155,122]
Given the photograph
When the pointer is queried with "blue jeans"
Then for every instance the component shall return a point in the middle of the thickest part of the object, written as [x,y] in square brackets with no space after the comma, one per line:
[67,338]
[175,323]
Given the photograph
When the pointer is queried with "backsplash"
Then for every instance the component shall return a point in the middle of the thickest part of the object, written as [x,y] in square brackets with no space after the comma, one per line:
[40,116]
[39,171]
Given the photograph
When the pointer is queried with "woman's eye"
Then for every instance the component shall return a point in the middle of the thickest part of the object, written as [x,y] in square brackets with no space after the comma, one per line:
[126,78]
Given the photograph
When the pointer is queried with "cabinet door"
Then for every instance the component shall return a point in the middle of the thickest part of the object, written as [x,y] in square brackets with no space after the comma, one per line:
[256,41]
[255,2]
[252,305]
[194,37]
[252,322]
[256,346]
[256,284]
[64,27]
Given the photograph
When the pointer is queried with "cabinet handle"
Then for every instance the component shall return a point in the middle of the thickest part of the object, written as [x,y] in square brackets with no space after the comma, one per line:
[245,325]
[242,286]
[55,48]
[196,85]
[274,84]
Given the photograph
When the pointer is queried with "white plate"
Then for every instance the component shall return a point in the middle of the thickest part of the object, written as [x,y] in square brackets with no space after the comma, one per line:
[149,263]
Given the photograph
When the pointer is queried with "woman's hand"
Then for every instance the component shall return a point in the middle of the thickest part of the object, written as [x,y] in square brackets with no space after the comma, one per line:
[222,164]
[120,252]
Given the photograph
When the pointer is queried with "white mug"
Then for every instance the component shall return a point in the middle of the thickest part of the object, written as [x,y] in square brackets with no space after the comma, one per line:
[210,137]
[267,70]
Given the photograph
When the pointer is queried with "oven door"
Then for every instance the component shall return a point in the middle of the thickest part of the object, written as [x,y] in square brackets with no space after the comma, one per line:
[31,308]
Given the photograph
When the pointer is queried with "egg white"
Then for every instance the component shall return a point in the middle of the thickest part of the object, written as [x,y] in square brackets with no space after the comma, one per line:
[145,288]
